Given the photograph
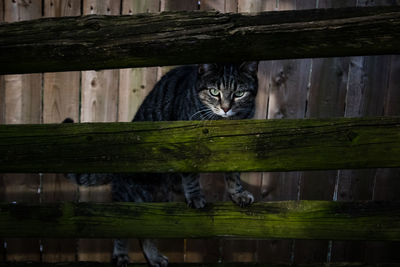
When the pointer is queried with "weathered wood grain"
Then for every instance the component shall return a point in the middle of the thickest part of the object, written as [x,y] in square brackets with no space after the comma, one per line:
[367,88]
[326,97]
[99,103]
[60,100]
[21,103]
[288,99]
[134,85]
[291,219]
[196,146]
[279,96]
[171,38]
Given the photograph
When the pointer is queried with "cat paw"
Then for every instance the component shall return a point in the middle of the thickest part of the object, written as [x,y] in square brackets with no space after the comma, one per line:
[158,260]
[243,199]
[197,202]
[120,260]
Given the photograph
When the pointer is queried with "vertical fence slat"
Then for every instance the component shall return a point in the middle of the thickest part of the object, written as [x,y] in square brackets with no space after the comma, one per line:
[134,85]
[328,87]
[392,100]
[99,103]
[174,5]
[286,99]
[369,74]
[60,100]
[22,104]
[225,6]
[246,6]
[326,98]
[368,83]
[178,5]
[359,184]
[386,181]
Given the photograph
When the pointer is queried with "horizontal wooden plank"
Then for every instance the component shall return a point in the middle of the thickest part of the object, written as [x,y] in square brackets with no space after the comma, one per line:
[173,38]
[202,146]
[272,220]
[239,264]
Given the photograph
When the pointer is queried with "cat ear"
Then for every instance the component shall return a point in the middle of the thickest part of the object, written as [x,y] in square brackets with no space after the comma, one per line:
[204,68]
[250,67]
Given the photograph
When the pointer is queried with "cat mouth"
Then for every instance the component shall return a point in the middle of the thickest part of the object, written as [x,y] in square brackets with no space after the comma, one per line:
[227,114]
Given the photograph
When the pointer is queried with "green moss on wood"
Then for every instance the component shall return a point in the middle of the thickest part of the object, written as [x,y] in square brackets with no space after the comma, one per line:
[299,220]
[193,146]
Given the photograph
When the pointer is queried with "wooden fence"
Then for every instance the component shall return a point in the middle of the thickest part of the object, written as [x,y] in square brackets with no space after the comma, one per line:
[160,39]
[250,145]
[308,88]
[298,220]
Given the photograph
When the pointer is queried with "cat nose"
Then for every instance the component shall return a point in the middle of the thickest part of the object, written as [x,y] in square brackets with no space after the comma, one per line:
[225,109]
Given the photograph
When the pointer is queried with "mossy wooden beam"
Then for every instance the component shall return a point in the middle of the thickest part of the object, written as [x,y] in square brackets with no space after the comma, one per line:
[272,220]
[173,38]
[234,264]
[202,146]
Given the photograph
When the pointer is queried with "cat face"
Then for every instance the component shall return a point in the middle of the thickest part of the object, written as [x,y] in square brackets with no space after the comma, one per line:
[228,90]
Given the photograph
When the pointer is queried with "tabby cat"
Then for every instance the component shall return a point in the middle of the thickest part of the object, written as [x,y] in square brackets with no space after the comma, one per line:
[203,92]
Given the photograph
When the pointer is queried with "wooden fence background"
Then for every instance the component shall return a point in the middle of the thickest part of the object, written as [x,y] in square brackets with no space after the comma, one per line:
[306,88]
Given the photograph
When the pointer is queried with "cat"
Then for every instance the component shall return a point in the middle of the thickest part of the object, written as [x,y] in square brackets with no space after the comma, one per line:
[201,92]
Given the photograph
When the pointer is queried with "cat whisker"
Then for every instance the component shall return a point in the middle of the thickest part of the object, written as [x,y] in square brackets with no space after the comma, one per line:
[203,117]
[205,114]
[211,116]
[198,113]
[208,115]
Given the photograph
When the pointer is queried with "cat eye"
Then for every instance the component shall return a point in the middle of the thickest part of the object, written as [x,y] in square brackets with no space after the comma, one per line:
[214,92]
[239,93]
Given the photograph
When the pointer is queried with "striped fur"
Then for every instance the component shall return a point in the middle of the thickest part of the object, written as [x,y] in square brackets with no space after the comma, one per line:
[204,92]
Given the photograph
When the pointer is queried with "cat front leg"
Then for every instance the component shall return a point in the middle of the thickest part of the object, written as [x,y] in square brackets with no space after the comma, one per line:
[120,253]
[235,189]
[150,251]
[125,190]
[153,257]
[193,193]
